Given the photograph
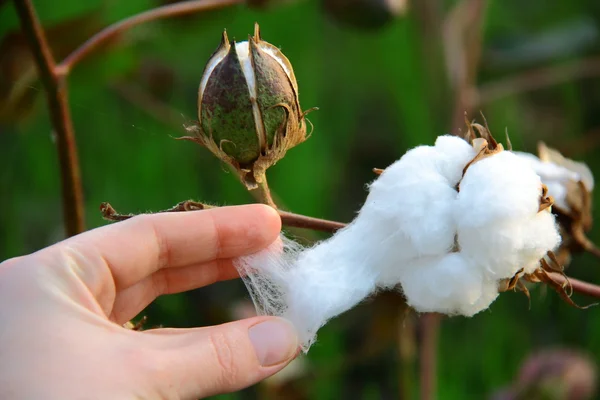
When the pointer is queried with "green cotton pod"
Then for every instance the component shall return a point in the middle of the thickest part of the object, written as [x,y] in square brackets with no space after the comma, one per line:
[248,103]
[225,107]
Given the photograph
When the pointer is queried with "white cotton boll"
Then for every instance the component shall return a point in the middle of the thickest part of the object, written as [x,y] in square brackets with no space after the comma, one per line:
[498,187]
[558,191]
[411,203]
[265,274]
[502,248]
[419,213]
[309,287]
[447,248]
[489,293]
[548,170]
[555,177]
[541,235]
[448,284]
[457,153]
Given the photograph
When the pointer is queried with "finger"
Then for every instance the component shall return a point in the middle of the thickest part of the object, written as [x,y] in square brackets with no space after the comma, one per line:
[136,248]
[132,300]
[207,361]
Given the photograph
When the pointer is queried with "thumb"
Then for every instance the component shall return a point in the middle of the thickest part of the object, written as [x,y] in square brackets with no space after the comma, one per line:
[200,362]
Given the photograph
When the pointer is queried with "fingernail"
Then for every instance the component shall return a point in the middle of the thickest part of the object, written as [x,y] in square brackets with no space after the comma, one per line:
[274,341]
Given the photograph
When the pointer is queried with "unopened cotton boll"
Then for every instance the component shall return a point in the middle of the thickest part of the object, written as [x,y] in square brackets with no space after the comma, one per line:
[442,227]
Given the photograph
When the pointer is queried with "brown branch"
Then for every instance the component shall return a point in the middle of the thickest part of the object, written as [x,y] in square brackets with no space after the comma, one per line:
[430,326]
[167,11]
[302,221]
[56,96]
[533,80]
[263,193]
[581,287]
[287,218]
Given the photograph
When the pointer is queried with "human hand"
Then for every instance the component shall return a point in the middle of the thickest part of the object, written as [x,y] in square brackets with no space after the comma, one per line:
[62,310]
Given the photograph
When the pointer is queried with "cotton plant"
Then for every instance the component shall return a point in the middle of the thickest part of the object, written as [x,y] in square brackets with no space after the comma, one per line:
[449,225]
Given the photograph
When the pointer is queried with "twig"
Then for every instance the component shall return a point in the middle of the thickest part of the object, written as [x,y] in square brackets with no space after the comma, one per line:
[533,79]
[56,95]
[53,78]
[263,193]
[581,287]
[302,221]
[287,218]
[430,326]
[167,11]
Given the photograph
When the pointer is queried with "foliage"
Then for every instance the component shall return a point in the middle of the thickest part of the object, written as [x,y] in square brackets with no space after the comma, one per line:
[379,93]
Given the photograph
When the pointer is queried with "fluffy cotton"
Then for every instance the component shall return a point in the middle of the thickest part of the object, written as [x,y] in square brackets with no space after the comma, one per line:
[498,223]
[444,235]
[557,173]
[451,284]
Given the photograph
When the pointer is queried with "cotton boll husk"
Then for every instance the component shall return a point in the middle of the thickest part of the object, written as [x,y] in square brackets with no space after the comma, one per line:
[448,284]
[502,248]
[498,187]
[457,153]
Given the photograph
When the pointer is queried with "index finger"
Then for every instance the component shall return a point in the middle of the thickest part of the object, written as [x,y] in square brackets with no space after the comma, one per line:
[140,246]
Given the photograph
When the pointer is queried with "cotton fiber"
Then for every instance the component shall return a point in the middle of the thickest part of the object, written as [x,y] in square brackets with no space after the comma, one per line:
[556,172]
[443,224]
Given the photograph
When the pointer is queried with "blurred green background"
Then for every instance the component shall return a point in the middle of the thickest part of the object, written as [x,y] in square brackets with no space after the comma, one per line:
[381,89]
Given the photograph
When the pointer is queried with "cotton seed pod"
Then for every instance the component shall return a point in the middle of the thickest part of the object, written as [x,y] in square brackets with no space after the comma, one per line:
[248,109]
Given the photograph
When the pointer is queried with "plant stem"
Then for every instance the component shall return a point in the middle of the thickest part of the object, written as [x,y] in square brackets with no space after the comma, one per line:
[56,96]
[287,218]
[302,221]
[430,326]
[53,78]
[586,288]
[263,193]
[166,11]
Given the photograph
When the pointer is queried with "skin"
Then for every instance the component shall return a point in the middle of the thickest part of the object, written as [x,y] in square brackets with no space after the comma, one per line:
[62,310]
